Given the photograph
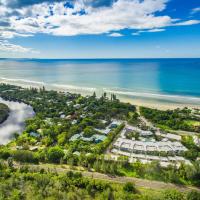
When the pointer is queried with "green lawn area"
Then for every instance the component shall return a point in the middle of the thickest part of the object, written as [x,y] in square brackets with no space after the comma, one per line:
[192,123]
[164,127]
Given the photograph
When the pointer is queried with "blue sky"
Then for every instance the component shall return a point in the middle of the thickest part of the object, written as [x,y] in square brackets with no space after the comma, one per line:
[100,28]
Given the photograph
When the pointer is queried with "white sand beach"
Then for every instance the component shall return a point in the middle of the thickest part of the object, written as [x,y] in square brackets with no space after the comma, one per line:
[159,101]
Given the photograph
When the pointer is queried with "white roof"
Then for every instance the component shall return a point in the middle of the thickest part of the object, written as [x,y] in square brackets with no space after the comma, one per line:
[148,145]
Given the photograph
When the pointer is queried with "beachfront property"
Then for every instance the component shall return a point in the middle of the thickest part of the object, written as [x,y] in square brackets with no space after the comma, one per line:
[169,136]
[144,158]
[146,148]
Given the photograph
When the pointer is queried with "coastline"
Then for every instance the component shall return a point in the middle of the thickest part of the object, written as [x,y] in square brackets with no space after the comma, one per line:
[158,101]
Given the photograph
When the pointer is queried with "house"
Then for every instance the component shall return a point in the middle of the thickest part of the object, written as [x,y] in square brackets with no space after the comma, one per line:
[74,122]
[34,148]
[62,116]
[69,103]
[87,139]
[115,124]
[146,133]
[103,131]
[196,140]
[82,116]
[77,106]
[34,134]
[75,137]
[99,138]
[68,117]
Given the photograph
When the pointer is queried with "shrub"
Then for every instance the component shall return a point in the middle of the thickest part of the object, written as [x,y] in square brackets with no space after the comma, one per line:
[129,187]
[54,154]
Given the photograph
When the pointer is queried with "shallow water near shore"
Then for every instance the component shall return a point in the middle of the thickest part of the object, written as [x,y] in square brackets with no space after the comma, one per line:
[19,112]
[151,81]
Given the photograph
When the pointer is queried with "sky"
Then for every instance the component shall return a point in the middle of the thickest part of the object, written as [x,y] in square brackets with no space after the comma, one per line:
[99,28]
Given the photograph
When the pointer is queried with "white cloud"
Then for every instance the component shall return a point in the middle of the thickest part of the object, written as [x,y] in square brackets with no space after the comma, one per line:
[149,31]
[7,46]
[195,10]
[11,34]
[115,35]
[155,30]
[57,19]
[136,33]
[187,23]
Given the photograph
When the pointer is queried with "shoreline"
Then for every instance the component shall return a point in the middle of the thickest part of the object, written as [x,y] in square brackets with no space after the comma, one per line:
[156,101]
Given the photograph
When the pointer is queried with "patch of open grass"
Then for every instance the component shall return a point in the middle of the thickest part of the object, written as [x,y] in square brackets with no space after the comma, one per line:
[192,123]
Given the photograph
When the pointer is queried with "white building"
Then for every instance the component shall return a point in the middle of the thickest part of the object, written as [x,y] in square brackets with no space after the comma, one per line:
[169,136]
[196,140]
[164,161]
[147,146]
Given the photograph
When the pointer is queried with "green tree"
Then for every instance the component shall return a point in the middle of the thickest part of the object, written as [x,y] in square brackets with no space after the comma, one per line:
[54,154]
[129,187]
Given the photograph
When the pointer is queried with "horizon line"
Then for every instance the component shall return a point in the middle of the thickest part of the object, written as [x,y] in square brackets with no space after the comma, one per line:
[101,58]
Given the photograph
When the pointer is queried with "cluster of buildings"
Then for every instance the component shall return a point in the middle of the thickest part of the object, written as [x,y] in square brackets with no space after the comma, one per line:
[144,147]
[97,137]
[144,158]
[148,149]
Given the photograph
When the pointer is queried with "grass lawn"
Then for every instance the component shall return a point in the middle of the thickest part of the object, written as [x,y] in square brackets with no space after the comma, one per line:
[164,127]
[192,123]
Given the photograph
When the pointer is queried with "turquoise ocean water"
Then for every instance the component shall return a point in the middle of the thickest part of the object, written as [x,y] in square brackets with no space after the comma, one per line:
[171,80]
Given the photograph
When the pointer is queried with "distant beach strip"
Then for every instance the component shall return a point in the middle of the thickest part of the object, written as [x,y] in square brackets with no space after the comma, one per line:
[161,101]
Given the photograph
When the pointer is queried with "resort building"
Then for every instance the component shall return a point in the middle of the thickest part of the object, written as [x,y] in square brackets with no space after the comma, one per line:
[164,161]
[129,129]
[169,136]
[147,146]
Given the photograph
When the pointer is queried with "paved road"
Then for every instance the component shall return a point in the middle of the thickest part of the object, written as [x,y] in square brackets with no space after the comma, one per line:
[142,183]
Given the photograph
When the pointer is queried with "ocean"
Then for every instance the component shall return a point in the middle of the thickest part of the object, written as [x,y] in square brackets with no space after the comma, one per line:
[175,81]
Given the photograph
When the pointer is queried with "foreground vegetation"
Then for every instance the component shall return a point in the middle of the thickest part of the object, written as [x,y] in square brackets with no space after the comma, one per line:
[4,112]
[185,174]
[25,184]
[47,139]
